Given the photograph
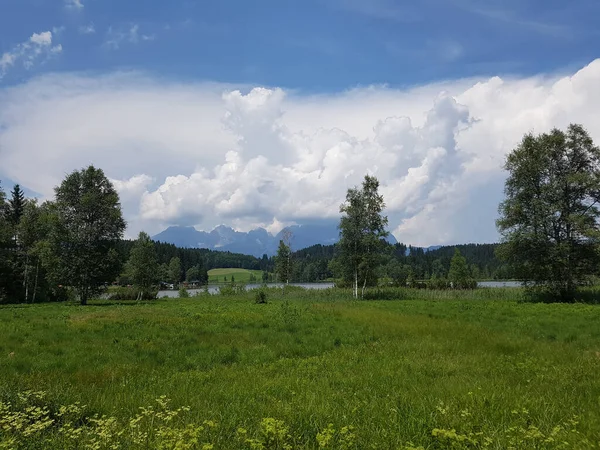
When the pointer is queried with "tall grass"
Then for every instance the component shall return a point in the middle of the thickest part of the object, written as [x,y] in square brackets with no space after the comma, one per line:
[438,370]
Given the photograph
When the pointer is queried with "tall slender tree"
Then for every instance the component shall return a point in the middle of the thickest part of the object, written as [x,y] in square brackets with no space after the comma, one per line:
[283,267]
[362,233]
[16,205]
[142,265]
[550,220]
[87,225]
[5,245]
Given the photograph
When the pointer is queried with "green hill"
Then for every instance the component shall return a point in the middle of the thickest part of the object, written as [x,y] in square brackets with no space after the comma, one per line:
[240,275]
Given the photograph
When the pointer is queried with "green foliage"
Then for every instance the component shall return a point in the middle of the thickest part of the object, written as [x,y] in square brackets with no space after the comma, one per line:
[175,271]
[86,224]
[232,289]
[362,229]
[459,274]
[183,293]
[283,262]
[142,266]
[397,272]
[32,420]
[550,218]
[16,205]
[438,283]
[260,296]
[197,273]
[6,244]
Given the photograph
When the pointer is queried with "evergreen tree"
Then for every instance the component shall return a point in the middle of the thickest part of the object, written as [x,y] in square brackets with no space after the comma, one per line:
[16,205]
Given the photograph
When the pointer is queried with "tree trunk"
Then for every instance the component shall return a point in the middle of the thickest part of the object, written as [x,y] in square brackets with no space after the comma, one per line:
[37,271]
[356,283]
[25,280]
[362,295]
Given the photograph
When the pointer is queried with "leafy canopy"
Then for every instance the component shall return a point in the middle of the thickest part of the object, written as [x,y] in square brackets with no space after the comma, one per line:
[87,225]
[549,221]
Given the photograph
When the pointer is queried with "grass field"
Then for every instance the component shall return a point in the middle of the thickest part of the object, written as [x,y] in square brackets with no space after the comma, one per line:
[308,370]
[240,275]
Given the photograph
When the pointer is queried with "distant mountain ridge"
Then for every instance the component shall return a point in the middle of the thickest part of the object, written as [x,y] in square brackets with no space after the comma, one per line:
[256,242]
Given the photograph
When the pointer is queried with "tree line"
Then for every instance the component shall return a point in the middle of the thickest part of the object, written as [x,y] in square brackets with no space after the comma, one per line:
[549,223]
[73,246]
[314,264]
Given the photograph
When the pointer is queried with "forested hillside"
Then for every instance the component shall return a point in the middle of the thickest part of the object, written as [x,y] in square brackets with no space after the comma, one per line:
[315,263]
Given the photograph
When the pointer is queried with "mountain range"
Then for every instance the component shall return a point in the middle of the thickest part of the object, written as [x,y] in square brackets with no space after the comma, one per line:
[256,242]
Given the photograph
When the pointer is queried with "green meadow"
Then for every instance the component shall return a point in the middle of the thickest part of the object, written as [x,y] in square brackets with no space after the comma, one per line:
[240,275]
[306,370]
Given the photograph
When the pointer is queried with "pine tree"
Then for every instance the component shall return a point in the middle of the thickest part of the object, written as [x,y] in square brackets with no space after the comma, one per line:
[16,205]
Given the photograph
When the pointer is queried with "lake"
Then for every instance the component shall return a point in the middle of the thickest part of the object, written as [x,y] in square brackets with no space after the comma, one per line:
[214,289]
[499,284]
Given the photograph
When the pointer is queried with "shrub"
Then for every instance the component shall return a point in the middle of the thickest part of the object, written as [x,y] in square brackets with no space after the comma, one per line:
[183,293]
[260,296]
[232,289]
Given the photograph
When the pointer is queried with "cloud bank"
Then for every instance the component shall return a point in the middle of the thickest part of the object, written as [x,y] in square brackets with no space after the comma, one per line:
[204,153]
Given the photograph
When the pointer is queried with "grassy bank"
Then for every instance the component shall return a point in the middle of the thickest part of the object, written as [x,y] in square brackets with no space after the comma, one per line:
[382,373]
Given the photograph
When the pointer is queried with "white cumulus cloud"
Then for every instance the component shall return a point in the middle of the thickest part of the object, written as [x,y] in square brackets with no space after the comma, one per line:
[205,154]
[38,46]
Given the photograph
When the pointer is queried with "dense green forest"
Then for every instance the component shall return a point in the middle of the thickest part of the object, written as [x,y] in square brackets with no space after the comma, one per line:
[314,263]
[205,258]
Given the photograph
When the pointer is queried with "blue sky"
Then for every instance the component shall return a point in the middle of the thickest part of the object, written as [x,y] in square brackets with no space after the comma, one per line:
[263,113]
[313,45]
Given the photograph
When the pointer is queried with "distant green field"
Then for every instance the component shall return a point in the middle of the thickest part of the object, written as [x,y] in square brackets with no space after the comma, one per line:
[240,275]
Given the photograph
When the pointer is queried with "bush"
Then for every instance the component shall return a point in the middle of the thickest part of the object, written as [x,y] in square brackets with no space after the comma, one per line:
[183,293]
[438,284]
[260,296]
[132,293]
[232,289]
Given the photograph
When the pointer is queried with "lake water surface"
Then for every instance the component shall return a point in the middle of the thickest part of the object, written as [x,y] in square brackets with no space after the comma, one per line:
[499,284]
[214,289]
